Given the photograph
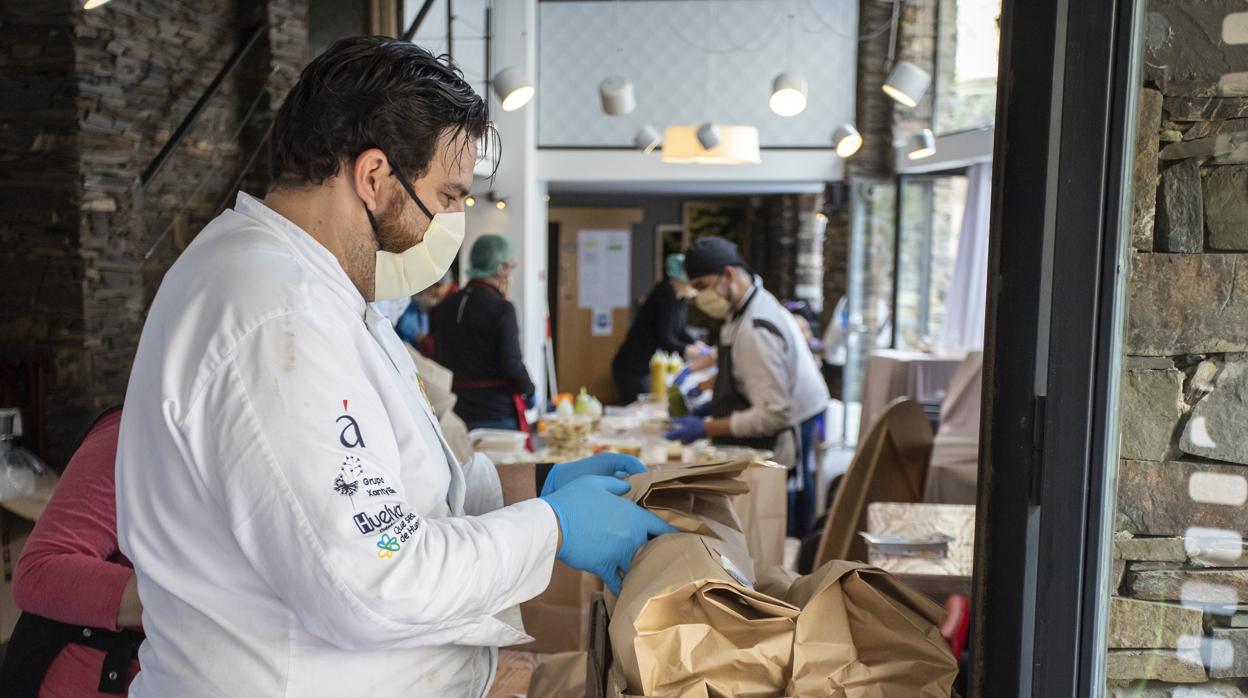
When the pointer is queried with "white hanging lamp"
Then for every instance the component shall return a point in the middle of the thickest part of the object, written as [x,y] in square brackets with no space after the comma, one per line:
[847,140]
[922,144]
[647,139]
[617,96]
[513,87]
[788,94]
[907,83]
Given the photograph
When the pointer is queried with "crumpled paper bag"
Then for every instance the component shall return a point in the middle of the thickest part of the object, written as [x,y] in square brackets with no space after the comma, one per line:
[695,498]
[691,621]
[862,633]
[688,624]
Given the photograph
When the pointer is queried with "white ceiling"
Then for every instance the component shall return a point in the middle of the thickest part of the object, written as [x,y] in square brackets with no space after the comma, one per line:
[692,61]
[686,188]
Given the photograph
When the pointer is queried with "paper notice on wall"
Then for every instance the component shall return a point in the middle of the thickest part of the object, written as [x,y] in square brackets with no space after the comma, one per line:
[603,271]
[602,325]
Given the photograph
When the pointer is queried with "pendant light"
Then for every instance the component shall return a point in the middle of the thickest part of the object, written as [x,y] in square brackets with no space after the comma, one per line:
[617,96]
[789,89]
[647,139]
[788,94]
[922,144]
[513,87]
[846,140]
[907,83]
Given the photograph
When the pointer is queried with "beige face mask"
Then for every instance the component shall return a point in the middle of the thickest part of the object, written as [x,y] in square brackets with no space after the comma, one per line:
[712,303]
[403,274]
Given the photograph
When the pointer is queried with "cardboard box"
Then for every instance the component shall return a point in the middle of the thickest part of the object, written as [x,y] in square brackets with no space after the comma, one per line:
[17,518]
[558,618]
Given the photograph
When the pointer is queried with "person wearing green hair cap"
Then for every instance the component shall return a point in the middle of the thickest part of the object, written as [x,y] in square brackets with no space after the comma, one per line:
[476,336]
[491,256]
[658,326]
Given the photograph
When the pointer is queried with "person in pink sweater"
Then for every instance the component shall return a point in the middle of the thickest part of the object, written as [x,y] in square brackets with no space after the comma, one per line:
[80,606]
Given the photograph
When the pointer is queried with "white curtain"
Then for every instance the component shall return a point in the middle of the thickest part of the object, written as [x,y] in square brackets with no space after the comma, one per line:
[965,303]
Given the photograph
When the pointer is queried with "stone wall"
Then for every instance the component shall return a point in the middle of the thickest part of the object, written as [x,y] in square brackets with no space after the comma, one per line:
[784,247]
[41,274]
[1179,578]
[123,76]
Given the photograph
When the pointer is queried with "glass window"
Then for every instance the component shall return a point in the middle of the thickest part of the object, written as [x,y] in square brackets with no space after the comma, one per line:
[931,218]
[966,64]
[867,309]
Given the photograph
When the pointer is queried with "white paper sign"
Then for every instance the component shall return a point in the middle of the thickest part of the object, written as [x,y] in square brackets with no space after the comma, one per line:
[602,325]
[603,269]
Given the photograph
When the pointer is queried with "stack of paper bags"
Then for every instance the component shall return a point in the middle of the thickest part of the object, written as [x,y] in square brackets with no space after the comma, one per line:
[687,623]
[695,498]
[691,622]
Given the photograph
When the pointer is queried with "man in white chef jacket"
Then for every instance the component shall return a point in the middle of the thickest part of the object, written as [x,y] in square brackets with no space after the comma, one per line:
[296,522]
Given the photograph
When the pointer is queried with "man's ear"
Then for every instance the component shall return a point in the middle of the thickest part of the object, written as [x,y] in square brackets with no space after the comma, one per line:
[369,168]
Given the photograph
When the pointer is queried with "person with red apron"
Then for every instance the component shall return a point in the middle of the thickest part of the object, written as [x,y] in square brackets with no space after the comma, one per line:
[476,336]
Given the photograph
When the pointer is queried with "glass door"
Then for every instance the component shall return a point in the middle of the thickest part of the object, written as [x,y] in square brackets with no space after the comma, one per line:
[927,250]
[1061,225]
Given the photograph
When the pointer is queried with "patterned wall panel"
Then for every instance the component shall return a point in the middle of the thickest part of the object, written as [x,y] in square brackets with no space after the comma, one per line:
[692,61]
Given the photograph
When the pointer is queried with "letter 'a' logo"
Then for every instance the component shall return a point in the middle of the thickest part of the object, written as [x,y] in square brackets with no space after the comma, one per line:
[350,435]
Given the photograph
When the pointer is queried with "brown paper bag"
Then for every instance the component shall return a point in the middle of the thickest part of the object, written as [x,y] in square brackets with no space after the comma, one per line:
[695,498]
[688,624]
[764,512]
[864,634]
[559,676]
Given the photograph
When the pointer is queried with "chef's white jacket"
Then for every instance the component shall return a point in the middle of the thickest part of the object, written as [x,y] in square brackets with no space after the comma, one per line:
[287,499]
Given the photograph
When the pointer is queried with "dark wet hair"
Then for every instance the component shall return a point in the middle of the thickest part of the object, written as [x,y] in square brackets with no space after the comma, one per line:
[374,92]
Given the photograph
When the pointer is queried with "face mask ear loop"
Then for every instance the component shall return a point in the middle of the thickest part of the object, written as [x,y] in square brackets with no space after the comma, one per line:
[410,191]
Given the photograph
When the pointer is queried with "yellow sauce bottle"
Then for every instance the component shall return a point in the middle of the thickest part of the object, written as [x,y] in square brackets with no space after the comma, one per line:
[658,376]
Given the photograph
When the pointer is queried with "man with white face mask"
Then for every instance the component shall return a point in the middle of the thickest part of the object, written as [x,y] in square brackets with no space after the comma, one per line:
[296,520]
[768,392]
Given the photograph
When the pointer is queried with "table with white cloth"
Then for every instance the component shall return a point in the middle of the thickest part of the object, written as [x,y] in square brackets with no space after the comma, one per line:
[953,470]
[892,374]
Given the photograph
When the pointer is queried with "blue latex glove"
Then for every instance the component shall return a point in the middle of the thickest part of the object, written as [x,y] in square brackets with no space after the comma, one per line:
[601,529]
[687,429]
[703,410]
[610,464]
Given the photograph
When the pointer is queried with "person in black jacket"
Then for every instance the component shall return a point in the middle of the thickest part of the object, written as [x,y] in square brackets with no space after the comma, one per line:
[659,325]
[475,335]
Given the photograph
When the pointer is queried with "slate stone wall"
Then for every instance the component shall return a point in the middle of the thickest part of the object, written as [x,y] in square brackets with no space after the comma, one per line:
[1180,579]
[87,99]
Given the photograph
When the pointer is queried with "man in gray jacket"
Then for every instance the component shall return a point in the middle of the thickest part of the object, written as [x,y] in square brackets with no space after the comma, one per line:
[769,393]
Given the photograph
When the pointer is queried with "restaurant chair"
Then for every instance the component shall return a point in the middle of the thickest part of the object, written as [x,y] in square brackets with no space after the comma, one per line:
[890,466]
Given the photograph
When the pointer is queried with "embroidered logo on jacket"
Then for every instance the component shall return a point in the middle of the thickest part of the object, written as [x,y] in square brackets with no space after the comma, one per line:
[387,546]
[350,435]
[347,483]
[380,521]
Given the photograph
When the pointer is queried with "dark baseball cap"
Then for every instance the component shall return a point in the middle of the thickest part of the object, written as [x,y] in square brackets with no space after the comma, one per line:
[709,255]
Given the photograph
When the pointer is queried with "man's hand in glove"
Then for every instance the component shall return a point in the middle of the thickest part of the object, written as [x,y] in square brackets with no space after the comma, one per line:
[609,464]
[687,429]
[601,530]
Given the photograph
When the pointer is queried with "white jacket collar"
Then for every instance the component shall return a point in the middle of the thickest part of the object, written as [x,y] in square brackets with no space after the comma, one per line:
[320,260]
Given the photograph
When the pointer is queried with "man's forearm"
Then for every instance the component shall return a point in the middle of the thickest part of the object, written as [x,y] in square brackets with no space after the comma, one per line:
[718,427]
